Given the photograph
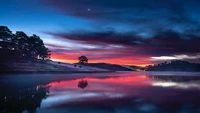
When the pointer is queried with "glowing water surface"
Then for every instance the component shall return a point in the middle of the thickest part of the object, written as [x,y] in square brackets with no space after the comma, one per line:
[122,92]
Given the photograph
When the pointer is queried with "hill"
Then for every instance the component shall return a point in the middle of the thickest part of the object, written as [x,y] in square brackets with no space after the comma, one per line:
[112,67]
[44,66]
[175,65]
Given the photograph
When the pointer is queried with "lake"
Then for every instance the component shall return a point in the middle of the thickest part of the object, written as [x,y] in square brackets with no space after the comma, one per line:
[119,92]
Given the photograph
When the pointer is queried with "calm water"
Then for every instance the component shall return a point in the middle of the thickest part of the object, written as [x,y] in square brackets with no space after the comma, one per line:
[121,92]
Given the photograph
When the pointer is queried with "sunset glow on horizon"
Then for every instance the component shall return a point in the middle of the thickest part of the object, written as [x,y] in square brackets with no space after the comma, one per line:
[109,61]
[128,32]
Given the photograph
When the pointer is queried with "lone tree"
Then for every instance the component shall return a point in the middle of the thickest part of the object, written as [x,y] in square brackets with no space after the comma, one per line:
[83,59]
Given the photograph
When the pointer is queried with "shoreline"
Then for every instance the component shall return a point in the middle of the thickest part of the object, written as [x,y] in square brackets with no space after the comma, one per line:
[74,72]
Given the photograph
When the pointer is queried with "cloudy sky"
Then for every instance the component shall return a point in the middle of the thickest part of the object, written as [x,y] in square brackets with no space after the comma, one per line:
[137,32]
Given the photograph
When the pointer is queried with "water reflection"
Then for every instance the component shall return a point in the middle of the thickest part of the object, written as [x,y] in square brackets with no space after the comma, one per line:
[184,82]
[124,93]
[130,93]
[16,100]
[82,84]
[175,78]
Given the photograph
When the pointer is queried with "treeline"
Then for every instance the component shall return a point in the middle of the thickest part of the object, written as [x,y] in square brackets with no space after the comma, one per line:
[175,65]
[21,46]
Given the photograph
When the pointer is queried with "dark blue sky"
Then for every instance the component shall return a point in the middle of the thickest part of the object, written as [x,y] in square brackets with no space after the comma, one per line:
[132,31]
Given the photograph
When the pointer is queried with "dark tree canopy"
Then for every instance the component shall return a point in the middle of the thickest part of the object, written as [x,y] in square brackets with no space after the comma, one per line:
[83,59]
[20,45]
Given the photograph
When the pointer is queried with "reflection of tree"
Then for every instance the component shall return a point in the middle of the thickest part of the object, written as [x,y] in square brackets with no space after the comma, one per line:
[17,101]
[82,84]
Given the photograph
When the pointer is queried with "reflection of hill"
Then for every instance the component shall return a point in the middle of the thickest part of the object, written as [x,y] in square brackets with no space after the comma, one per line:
[15,100]
[175,78]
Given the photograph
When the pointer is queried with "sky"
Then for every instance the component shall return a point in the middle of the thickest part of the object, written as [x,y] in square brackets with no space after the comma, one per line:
[128,32]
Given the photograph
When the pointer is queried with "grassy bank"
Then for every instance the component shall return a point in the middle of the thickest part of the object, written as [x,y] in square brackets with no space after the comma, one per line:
[42,66]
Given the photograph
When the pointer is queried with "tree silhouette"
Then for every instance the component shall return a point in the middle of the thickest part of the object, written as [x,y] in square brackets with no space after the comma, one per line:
[83,59]
[38,49]
[5,38]
[82,84]
[22,41]
[20,45]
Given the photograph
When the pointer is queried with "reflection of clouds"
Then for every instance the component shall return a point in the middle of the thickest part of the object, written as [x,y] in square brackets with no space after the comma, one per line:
[69,96]
[114,95]
[72,96]
[65,92]
[107,84]
[135,91]
[176,84]
[164,84]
